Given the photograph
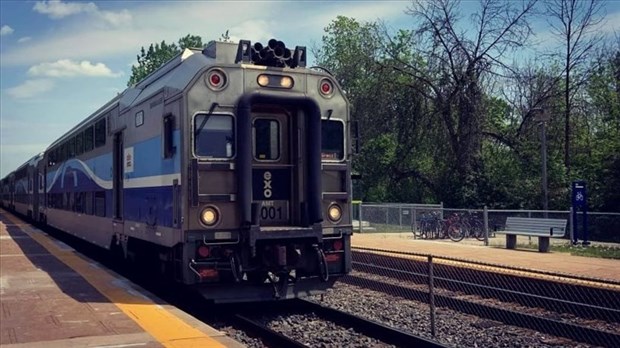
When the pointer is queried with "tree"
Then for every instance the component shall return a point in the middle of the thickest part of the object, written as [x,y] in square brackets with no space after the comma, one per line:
[600,164]
[158,54]
[392,119]
[455,66]
[574,23]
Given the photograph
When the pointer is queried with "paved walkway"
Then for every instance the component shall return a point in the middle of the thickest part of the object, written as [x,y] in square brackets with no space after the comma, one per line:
[565,263]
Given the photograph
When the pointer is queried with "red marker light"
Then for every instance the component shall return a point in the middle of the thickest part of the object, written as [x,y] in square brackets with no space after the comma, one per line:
[203,251]
[337,245]
[215,79]
[326,88]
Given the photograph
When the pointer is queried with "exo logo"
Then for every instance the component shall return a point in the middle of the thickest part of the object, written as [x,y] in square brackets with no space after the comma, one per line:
[267,191]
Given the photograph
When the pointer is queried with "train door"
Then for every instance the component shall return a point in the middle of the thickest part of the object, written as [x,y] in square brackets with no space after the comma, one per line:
[273,168]
[117,177]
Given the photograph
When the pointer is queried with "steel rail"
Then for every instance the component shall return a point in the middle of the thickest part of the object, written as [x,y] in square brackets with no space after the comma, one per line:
[268,335]
[368,327]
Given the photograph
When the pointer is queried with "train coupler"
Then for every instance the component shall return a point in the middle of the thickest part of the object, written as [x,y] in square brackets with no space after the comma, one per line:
[279,283]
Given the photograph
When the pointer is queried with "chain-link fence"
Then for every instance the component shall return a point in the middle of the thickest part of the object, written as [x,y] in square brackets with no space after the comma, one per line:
[464,303]
[432,221]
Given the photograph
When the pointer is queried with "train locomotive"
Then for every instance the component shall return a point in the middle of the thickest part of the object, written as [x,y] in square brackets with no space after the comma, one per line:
[226,170]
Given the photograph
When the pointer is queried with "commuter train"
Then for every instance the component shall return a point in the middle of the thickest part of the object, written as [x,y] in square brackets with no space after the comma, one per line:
[227,170]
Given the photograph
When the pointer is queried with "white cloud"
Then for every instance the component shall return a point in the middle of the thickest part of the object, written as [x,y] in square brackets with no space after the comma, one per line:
[116,19]
[30,88]
[6,30]
[155,21]
[70,68]
[57,9]
[24,39]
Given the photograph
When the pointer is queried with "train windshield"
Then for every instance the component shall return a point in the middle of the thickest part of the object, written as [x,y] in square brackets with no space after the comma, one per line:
[332,140]
[213,136]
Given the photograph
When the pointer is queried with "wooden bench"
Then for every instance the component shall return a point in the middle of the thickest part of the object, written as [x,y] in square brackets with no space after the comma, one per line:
[541,228]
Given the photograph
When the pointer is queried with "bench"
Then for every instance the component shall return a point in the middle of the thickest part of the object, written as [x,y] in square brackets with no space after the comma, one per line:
[541,228]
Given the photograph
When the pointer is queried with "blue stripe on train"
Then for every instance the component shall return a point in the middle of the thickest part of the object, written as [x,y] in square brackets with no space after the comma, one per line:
[149,205]
[148,159]
[147,162]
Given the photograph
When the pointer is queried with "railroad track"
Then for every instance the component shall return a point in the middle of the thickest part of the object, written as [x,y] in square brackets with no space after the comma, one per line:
[248,320]
[267,334]
[454,285]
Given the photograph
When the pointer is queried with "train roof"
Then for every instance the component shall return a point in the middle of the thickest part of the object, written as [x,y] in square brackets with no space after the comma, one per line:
[174,76]
[33,161]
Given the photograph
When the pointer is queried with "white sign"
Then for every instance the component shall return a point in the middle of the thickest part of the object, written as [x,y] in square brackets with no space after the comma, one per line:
[128,160]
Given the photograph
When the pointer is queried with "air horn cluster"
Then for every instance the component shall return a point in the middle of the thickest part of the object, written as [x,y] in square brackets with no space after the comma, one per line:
[275,54]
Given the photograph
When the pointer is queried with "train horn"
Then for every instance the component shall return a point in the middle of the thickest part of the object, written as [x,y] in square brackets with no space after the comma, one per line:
[275,54]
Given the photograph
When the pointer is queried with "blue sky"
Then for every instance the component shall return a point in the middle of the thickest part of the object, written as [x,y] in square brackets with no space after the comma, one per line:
[61,60]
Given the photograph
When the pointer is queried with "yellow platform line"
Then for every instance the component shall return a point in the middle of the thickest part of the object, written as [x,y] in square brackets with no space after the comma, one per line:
[165,327]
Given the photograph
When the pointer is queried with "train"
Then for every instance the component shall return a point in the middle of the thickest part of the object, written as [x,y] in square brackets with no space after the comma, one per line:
[226,170]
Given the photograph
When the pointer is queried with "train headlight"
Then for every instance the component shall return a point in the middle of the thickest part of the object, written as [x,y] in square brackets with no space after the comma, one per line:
[209,216]
[334,212]
[263,80]
[275,81]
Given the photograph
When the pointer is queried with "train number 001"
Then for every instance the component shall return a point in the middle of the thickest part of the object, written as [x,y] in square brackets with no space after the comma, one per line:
[271,213]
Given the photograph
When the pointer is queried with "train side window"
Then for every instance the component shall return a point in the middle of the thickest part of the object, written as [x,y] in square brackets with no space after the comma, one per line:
[332,140]
[168,129]
[71,143]
[100,133]
[88,139]
[214,136]
[139,118]
[88,203]
[79,144]
[266,139]
[63,152]
[100,203]
[51,159]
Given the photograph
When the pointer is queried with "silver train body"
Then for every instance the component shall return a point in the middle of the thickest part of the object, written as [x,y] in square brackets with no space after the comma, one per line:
[224,171]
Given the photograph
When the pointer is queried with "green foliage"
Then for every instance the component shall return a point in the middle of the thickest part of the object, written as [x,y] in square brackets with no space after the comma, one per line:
[427,137]
[158,54]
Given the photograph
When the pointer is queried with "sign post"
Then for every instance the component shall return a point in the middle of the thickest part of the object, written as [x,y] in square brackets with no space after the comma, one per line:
[580,202]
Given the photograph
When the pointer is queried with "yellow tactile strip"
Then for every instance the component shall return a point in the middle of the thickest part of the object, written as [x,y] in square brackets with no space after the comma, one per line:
[163,325]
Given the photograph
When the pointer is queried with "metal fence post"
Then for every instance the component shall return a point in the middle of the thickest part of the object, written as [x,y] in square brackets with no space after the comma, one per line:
[387,215]
[431,294]
[360,216]
[441,211]
[529,238]
[485,218]
[414,223]
[571,225]
[400,216]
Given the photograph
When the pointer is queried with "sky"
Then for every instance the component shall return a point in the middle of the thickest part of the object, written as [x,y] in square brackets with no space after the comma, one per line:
[61,60]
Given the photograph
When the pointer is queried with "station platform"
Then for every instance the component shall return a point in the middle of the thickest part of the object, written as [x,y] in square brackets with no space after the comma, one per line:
[551,262]
[51,296]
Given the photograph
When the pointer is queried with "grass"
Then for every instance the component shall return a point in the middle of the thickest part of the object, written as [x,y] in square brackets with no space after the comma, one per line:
[601,251]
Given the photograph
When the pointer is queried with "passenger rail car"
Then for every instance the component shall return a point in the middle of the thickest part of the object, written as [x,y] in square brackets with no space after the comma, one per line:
[227,169]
